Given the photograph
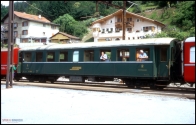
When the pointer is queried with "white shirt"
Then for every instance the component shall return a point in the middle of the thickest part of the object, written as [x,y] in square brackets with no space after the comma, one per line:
[104,57]
[143,55]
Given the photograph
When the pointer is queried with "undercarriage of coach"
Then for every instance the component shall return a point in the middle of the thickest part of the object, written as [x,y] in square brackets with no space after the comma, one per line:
[40,78]
[146,82]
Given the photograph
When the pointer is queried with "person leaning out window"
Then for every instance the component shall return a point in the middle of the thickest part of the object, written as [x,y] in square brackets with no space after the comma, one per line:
[104,56]
[143,56]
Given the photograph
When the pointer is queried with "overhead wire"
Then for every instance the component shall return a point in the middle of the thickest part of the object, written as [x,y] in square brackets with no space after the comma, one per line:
[38,9]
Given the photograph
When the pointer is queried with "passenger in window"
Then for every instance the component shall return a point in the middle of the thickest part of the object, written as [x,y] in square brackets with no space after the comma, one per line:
[124,59]
[143,56]
[104,56]
[137,55]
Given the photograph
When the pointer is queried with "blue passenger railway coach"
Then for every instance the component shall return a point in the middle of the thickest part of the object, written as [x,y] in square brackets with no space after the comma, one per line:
[145,62]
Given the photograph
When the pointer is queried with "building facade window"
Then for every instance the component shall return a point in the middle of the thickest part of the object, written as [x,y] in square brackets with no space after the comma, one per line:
[53,27]
[118,29]
[15,25]
[15,33]
[129,30]
[147,28]
[43,40]
[119,20]
[137,20]
[103,30]
[25,32]
[25,23]
[44,25]
[129,19]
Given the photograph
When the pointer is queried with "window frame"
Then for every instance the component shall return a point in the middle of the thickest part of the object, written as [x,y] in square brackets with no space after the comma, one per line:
[49,53]
[23,32]
[76,55]
[25,23]
[65,54]
[192,54]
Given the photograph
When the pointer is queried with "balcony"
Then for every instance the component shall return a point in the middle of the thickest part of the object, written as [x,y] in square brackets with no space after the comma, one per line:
[128,24]
[118,24]
[5,27]
[131,23]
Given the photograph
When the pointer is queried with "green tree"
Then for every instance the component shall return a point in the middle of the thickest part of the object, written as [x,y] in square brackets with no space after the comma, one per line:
[184,16]
[21,6]
[33,9]
[69,25]
[4,10]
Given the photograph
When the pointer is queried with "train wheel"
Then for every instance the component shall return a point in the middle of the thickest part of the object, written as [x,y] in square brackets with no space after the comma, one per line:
[17,79]
[160,87]
[52,81]
[31,80]
[152,86]
[42,80]
[130,84]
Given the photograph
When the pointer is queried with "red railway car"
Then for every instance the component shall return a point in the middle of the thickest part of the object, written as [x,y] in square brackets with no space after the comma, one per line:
[189,60]
[4,55]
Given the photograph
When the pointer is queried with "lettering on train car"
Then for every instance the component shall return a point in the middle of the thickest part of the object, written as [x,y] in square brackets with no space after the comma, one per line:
[76,68]
[27,66]
[142,68]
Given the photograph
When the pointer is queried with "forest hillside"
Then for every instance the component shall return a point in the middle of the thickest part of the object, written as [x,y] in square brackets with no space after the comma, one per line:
[75,17]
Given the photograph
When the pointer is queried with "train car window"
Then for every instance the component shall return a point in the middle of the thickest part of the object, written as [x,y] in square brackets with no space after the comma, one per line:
[192,54]
[63,56]
[39,56]
[75,56]
[50,56]
[108,53]
[123,55]
[163,54]
[20,57]
[144,53]
[88,55]
[27,57]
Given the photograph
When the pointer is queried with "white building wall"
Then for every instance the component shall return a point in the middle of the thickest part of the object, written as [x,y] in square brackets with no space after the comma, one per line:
[19,28]
[138,26]
[110,23]
[35,29]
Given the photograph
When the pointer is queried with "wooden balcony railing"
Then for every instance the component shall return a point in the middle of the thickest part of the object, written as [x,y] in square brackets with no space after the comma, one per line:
[118,24]
[131,23]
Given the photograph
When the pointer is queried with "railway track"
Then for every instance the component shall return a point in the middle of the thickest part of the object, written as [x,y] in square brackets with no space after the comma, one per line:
[182,92]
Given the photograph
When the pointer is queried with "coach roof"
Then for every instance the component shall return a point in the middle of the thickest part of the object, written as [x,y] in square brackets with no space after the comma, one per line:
[140,42]
[190,39]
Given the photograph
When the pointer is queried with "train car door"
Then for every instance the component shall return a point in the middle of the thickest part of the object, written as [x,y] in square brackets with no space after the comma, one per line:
[20,62]
[162,61]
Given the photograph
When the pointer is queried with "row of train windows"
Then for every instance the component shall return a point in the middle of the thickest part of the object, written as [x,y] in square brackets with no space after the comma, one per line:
[122,55]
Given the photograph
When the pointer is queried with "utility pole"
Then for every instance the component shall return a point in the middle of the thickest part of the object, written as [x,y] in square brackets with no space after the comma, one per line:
[124,19]
[10,45]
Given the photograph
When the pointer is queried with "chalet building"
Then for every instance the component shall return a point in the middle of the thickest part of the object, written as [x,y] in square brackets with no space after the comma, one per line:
[29,29]
[61,37]
[109,28]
